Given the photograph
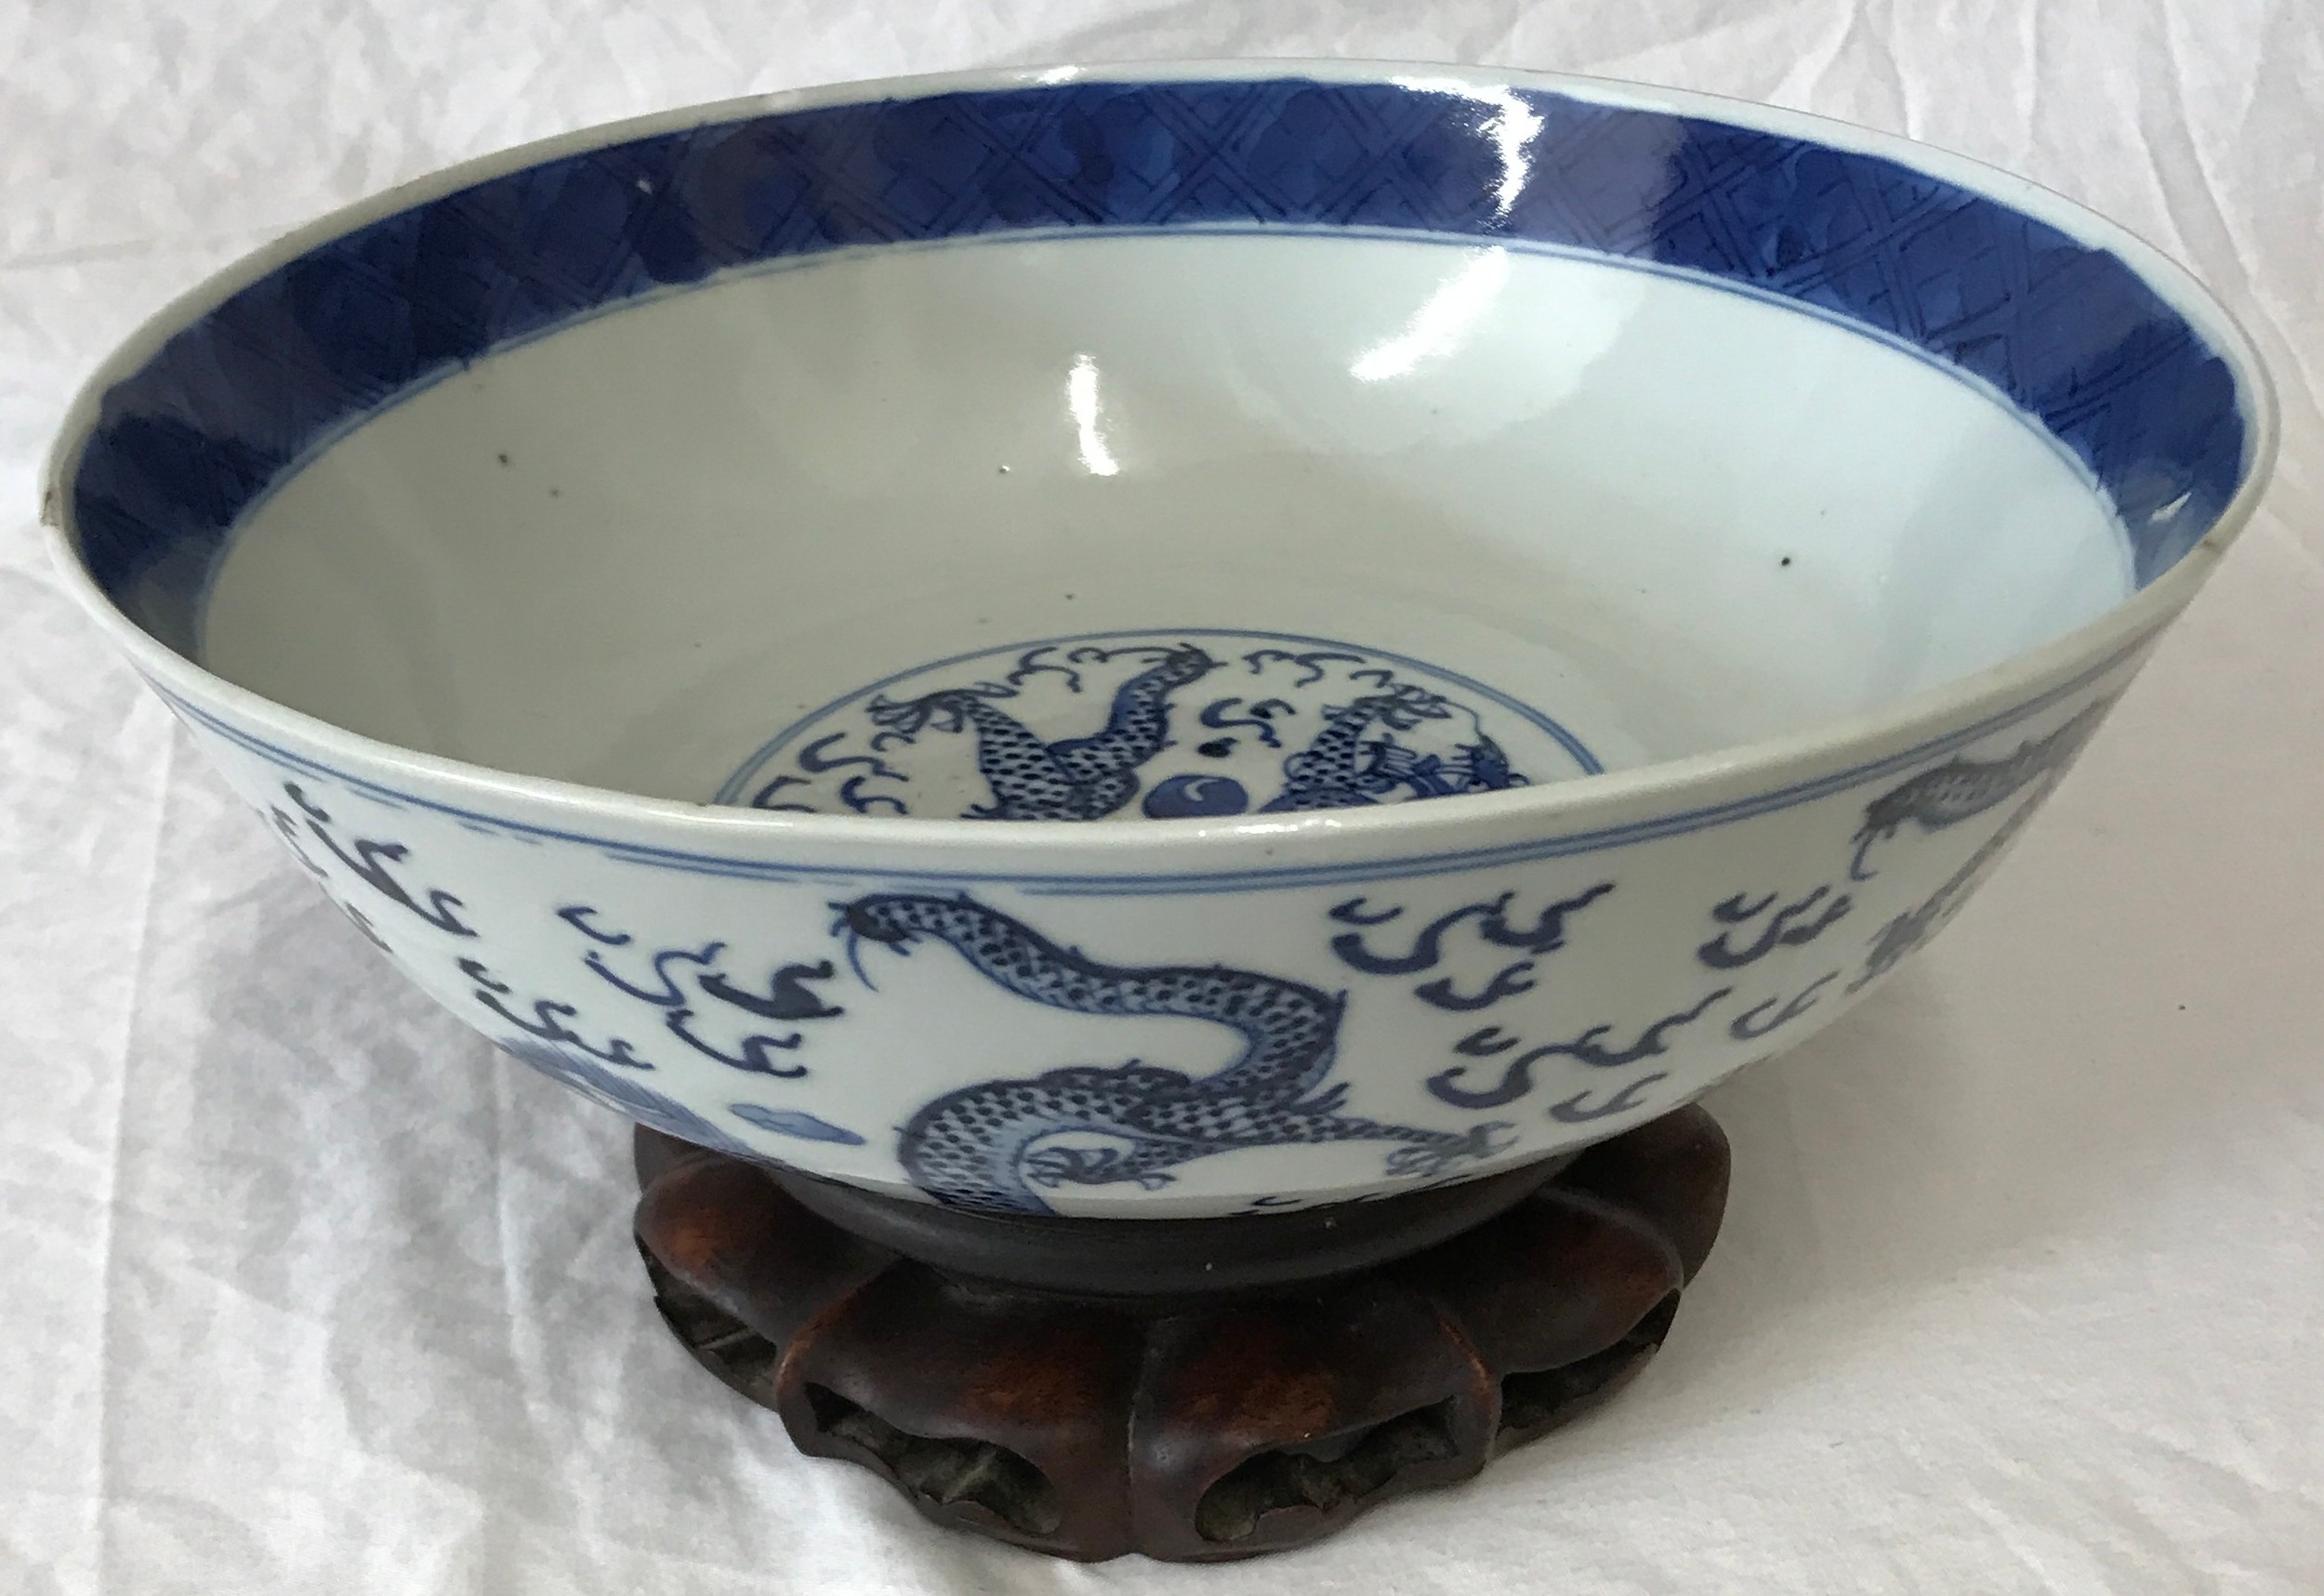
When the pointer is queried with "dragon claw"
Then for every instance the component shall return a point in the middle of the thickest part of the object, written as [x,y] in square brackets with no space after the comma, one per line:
[993,1139]
[1089,1166]
[1477,1141]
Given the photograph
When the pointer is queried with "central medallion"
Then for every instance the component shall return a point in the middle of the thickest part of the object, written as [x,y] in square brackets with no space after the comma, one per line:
[1158,725]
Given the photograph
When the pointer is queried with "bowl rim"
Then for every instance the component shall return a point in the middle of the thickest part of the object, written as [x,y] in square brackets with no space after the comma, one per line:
[2122,631]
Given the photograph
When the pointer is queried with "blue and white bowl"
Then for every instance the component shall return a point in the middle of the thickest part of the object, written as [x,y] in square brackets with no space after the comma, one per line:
[1561,586]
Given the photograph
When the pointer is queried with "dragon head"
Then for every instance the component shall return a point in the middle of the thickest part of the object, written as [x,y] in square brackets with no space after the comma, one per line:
[1183,662]
[1883,817]
[1402,706]
[872,920]
[946,709]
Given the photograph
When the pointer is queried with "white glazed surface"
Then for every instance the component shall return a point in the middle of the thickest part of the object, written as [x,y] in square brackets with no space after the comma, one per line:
[1725,902]
[1601,490]
[913,1028]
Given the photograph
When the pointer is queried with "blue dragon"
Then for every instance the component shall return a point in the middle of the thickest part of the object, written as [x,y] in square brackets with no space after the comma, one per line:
[1348,764]
[1078,778]
[980,1147]
[1960,788]
[1354,760]
[1953,792]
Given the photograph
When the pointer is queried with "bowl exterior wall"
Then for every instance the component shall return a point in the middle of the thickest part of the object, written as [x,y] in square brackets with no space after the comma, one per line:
[1098,1040]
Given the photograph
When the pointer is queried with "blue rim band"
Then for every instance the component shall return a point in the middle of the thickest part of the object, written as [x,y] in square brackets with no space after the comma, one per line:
[2068,332]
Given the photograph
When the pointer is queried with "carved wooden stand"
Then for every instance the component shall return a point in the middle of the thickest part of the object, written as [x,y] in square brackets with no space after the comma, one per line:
[1194,1389]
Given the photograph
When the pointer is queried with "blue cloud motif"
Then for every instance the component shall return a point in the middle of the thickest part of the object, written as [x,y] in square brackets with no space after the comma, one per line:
[626,1093]
[1193,795]
[792,1122]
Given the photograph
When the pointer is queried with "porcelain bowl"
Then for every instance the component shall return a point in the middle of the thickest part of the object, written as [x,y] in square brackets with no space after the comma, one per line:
[1169,641]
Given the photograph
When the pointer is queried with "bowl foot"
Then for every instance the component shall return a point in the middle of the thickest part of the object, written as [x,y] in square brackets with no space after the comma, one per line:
[1188,1425]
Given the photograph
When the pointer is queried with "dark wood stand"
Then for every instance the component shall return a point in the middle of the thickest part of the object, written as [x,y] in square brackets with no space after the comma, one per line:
[1194,1389]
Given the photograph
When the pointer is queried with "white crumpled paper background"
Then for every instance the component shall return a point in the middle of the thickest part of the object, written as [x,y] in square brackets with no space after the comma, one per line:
[302,1291]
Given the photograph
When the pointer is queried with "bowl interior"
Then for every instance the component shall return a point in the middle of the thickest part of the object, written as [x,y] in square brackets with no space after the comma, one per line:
[1193,515]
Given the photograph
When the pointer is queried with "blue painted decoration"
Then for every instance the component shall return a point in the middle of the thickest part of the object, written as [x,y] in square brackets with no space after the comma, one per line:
[999,1144]
[1098,727]
[625,1094]
[1118,883]
[1910,931]
[1489,920]
[2066,331]
[1962,788]
[795,1123]
[990,1146]
[1628,1098]
[688,985]
[1773,1014]
[1180,797]
[1371,948]
[369,862]
[1590,1047]
[1788,927]
[1074,778]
